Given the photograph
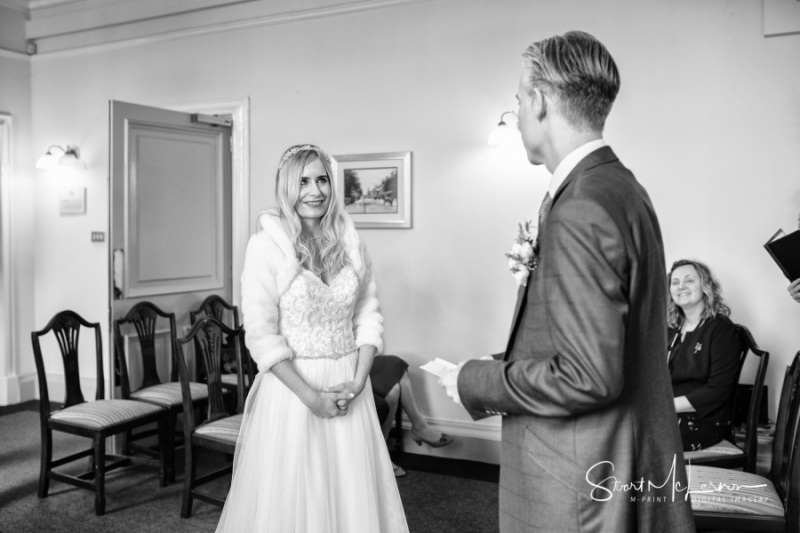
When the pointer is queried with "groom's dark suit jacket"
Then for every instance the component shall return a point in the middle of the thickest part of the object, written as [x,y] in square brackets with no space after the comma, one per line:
[584,390]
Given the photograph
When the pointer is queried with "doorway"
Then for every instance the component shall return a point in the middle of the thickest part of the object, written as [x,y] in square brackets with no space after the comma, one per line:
[179,208]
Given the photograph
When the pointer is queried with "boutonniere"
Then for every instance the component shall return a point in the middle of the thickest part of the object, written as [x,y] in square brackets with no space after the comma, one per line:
[523,257]
[697,347]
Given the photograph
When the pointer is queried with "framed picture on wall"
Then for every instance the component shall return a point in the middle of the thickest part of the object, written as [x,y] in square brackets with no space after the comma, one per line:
[375,188]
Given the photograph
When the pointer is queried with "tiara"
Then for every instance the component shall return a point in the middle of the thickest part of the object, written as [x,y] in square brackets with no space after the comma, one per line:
[302,148]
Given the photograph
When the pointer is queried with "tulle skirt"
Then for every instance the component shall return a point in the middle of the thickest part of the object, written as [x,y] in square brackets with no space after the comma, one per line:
[294,472]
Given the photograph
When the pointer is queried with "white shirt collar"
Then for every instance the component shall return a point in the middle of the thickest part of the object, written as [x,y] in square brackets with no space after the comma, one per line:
[570,162]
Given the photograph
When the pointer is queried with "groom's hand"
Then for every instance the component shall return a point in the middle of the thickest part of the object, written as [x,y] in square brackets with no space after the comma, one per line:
[450,383]
[794,290]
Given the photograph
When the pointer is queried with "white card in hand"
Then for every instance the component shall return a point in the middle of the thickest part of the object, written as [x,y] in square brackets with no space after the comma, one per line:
[438,367]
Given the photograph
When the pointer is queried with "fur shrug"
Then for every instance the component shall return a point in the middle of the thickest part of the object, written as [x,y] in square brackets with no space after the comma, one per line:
[270,266]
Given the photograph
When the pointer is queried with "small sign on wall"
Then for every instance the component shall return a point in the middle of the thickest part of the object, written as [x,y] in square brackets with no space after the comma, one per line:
[72,201]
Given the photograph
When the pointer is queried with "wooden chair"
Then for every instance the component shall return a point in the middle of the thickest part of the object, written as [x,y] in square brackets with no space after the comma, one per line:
[146,318]
[228,314]
[96,420]
[727,454]
[221,428]
[396,433]
[784,431]
[217,307]
[724,499]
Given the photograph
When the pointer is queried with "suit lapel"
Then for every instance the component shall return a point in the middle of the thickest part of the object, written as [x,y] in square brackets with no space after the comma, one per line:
[598,157]
[522,297]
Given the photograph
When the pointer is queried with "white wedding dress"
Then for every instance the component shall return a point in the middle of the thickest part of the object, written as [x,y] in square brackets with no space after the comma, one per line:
[295,472]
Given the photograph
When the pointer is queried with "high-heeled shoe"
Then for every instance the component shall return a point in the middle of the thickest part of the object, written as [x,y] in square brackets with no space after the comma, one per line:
[398,470]
[444,440]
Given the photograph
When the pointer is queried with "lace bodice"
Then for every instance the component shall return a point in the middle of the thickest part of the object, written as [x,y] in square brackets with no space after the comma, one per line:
[317,319]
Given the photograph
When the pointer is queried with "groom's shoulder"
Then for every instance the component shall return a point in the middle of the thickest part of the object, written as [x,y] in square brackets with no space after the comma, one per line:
[610,182]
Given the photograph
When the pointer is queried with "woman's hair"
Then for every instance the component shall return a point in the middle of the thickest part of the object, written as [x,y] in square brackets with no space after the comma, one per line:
[324,251]
[578,72]
[712,294]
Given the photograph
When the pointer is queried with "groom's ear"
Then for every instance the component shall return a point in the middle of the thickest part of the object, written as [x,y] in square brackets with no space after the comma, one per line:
[539,103]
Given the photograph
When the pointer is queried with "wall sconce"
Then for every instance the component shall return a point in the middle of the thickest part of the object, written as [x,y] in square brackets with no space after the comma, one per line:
[504,135]
[57,157]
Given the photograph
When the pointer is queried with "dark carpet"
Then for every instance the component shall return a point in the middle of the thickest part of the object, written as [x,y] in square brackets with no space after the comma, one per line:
[439,495]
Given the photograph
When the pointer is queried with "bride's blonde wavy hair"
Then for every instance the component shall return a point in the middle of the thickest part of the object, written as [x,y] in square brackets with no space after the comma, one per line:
[325,250]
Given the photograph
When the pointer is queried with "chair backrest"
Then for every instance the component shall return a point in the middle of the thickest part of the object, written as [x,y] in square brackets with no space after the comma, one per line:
[785,440]
[144,317]
[66,326]
[751,425]
[735,399]
[217,307]
[791,502]
[788,485]
[207,335]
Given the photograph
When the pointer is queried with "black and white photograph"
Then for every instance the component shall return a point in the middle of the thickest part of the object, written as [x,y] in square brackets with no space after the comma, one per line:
[376,188]
[392,266]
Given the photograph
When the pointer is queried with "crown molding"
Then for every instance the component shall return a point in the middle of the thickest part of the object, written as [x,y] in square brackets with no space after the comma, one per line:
[16,5]
[232,16]
[11,54]
[781,17]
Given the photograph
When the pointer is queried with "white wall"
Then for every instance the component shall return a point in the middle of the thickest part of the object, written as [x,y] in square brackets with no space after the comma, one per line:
[706,118]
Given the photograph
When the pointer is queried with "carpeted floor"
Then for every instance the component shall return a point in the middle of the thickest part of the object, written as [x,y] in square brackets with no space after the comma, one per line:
[434,502]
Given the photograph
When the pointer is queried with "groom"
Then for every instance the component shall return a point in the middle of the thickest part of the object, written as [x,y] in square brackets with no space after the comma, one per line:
[590,437]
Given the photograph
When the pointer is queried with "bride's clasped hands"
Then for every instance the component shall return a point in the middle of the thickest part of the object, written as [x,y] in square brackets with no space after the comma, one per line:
[345,393]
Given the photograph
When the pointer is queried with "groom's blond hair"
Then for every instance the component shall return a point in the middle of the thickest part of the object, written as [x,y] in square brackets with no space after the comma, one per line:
[578,73]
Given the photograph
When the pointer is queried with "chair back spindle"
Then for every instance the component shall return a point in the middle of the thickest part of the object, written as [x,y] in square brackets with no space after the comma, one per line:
[144,317]
[207,335]
[66,328]
[144,320]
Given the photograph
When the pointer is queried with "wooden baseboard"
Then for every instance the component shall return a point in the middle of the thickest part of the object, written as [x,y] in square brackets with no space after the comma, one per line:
[451,467]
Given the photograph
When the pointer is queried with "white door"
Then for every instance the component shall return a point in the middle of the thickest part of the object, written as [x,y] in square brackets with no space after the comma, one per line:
[170,235]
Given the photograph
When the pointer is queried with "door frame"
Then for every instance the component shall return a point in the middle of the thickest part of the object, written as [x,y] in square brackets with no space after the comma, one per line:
[239,109]
[9,386]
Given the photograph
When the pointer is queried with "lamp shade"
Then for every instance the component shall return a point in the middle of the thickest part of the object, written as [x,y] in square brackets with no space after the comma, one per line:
[69,159]
[47,161]
[503,134]
[57,157]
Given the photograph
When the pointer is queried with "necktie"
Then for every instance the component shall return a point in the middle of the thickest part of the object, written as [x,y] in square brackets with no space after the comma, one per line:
[544,210]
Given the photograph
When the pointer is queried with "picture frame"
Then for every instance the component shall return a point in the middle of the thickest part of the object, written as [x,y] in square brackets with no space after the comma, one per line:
[375,188]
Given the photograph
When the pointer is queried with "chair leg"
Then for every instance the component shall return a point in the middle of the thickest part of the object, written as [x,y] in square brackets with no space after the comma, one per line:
[188,480]
[172,436]
[126,447]
[100,475]
[166,450]
[398,426]
[46,460]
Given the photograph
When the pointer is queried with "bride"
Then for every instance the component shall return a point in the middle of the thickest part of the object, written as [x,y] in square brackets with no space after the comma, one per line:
[310,455]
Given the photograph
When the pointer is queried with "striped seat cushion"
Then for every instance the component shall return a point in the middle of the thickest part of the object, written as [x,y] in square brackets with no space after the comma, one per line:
[104,413]
[722,490]
[225,429]
[230,379]
[718,450]
[169,394]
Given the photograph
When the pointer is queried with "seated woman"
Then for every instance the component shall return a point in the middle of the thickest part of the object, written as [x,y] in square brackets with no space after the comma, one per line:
[390,383]
[704,350]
